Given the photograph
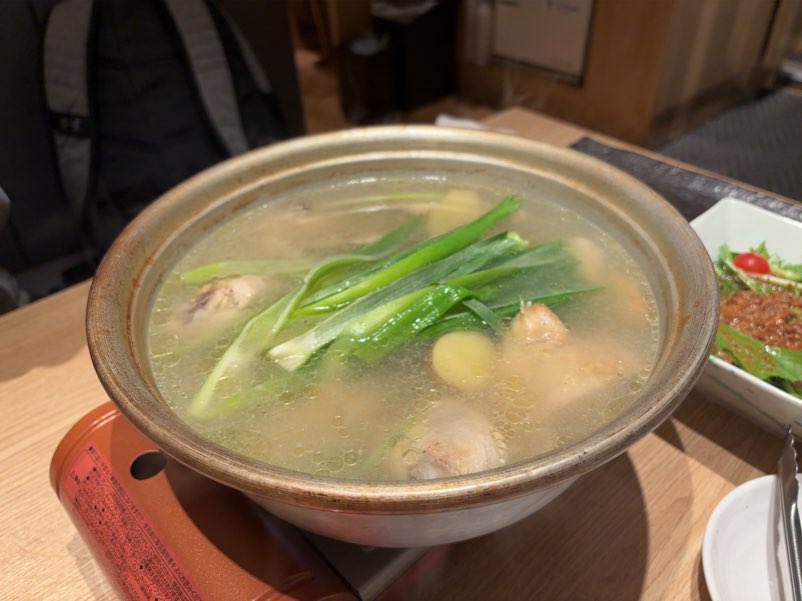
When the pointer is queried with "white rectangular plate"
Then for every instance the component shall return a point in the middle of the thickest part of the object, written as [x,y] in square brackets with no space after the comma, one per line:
[741,226]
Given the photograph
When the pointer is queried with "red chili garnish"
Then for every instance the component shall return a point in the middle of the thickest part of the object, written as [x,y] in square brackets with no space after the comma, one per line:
[752,262]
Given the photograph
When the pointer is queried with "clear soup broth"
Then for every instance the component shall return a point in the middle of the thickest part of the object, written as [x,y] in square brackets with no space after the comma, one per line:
[335,334]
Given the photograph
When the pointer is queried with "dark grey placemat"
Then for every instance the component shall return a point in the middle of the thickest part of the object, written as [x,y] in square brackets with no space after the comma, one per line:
[690,192]
[759,141]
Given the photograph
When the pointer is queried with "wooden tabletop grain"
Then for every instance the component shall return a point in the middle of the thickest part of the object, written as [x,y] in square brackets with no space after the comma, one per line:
[630,530]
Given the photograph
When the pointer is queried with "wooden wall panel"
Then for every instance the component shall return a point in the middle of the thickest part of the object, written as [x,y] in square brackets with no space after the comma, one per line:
[654,67]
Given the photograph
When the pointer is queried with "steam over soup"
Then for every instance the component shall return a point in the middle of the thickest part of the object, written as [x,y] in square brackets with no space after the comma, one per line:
[414,335]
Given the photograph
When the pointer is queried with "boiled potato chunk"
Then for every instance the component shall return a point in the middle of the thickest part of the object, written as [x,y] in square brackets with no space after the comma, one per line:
[464,359]
[454,209]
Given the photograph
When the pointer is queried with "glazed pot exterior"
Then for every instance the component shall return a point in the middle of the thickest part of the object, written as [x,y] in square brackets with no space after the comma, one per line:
[404,513]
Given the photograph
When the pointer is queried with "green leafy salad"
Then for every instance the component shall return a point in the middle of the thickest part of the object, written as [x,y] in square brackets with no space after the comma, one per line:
[760,329]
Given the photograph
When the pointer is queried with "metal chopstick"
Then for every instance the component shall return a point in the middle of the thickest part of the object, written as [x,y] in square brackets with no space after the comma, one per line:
[789,492]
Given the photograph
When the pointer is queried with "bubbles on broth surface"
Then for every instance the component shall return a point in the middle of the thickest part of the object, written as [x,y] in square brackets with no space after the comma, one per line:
[354,421]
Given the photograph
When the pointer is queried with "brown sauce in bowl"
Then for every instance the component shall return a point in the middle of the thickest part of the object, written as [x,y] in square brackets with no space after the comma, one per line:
[774,319]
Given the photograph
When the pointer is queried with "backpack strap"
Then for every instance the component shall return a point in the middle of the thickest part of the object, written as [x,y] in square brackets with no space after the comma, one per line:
[66,57]
[5,208]
[67,95]
[251,62]
[210,70]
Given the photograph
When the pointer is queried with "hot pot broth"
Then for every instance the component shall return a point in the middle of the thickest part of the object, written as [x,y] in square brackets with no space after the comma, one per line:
[446,401]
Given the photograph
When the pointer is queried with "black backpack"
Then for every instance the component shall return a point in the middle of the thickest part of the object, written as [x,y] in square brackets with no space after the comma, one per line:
[143,94]
[106,104]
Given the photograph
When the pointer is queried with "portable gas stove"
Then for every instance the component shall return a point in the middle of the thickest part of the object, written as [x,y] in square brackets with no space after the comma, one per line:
[161,531]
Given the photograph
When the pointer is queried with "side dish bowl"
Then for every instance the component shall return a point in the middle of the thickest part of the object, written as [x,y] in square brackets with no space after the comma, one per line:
[741,226]
[743,550]
[421,513]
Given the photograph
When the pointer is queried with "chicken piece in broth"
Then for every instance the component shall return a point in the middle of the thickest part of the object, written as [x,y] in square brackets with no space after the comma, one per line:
[453,209]
[536,323]
[633,308]
[221,300]
[305,231]
[551,367]
[451,440]
[590,256]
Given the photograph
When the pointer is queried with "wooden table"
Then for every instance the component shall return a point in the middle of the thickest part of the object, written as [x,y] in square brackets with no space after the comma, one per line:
[630,530]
